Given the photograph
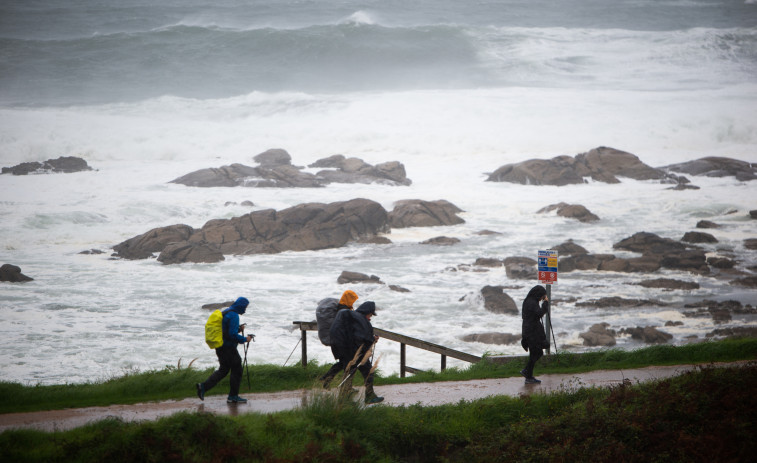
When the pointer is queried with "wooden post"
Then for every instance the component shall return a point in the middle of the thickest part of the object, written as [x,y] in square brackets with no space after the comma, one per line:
[444,362]
[304,346]
[402,360]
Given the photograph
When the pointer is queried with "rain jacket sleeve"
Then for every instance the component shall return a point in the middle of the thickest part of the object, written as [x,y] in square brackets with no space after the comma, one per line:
[362,331]
[231,328]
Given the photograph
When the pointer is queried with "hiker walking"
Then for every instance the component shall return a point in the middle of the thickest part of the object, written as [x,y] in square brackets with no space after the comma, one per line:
[534,338]
[351,339]
[228,356]
[325,315]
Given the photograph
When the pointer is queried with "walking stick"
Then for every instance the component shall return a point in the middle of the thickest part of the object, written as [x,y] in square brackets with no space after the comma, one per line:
[246,366]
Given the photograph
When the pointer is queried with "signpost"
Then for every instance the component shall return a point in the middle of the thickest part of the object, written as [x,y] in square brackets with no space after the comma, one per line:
[547,261]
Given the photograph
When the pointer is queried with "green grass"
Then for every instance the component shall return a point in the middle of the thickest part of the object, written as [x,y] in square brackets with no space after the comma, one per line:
[177,383]
[703,415]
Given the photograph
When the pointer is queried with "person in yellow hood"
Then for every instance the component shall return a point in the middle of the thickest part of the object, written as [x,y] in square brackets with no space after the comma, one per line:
[345,302]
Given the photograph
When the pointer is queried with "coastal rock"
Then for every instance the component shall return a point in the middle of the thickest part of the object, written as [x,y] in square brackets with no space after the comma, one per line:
[303,227]
[619,302]
[571,211]
[399,289]
[747,282]
[419,213]
[492,338]
[753,213]
[751,243]
[710,308]
[354,170]
[355,277]
[275,170]
[669,284]
[669,253]
[569,248]
[185,251]
[601,164]
[648,334]
[720,262]
[599,335]
[489,262]
[716,167]
[274,176]
[583,262]
[521,268]
[497,301]
[707,224]
[155,240]
[734,332]
[273,158]
[12,274]
[698,237]
[64,164]
[441,241]
[217,305]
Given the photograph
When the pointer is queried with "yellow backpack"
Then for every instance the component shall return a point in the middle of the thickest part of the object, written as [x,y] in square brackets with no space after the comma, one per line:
[214,330]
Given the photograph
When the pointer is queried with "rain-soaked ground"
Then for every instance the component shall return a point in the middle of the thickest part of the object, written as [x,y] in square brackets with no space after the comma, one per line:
[395,395]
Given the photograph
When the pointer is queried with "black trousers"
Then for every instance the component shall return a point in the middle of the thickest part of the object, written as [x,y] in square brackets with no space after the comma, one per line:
[534,355]
[229,360]
[341,364]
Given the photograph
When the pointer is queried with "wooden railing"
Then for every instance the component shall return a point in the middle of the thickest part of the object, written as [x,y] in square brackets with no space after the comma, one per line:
[400,338]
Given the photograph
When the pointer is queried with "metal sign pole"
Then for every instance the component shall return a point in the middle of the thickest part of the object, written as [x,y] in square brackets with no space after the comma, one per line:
[548,317]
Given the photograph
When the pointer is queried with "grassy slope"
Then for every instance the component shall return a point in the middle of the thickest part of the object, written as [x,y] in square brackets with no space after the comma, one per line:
[707,415]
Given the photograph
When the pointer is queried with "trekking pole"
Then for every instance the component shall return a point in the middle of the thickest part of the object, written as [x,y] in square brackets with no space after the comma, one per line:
[246,366]
[290,354]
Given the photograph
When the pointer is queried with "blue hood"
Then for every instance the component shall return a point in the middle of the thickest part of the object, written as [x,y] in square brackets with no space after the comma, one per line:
[239,306]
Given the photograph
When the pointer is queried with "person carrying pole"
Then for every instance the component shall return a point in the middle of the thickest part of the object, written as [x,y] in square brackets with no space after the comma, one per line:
[325,321]
[228,356]
[352,339]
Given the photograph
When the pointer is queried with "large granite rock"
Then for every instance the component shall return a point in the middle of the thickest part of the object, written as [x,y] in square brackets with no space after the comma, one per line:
[600,164]
[716,167]
[303,227]
[571,211]
[347,277]
[668,253]
[12,274]
[275,170]
[497,301]
[648,334]
[64,164]
[492,338]
[354,170]
[419,213]
[599,335]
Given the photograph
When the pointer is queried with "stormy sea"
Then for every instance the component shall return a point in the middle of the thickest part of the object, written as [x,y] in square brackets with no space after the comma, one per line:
[146,92]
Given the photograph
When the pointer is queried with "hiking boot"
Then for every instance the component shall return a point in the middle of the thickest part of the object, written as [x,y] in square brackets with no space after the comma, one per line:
[523,373]
[236,400]
[532,381]
[373,399]
[200,391]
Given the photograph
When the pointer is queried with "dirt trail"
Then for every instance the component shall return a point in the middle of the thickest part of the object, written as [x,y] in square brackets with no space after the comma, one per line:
[394,395]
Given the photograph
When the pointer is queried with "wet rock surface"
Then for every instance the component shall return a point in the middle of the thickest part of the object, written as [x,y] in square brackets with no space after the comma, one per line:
[601,164]
[12,274]
[63,164]
[275,170]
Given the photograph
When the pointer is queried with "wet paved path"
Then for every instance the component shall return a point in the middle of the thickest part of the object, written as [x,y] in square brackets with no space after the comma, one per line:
[395,395]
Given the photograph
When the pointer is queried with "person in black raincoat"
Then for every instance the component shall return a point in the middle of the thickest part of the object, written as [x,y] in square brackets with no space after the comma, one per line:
[351,333]
[534,338]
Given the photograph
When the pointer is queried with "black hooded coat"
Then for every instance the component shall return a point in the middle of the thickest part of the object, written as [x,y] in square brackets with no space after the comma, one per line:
[351,330]
[534,336]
